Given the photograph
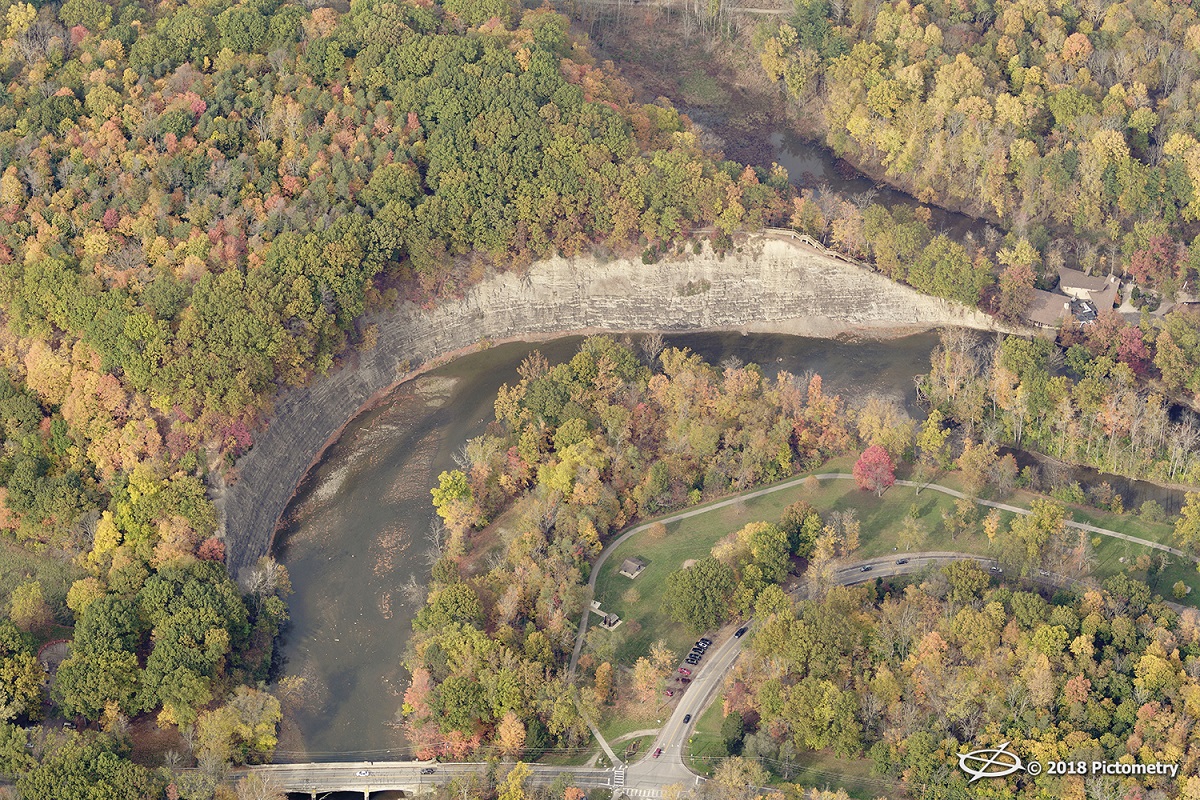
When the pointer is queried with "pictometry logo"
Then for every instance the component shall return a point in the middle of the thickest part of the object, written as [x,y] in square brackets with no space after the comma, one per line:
[993,763]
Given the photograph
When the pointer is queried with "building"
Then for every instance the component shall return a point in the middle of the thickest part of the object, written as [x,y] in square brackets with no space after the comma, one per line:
[632,567]
[1048,309]
[610,621]
[1079,296]
[1099,290]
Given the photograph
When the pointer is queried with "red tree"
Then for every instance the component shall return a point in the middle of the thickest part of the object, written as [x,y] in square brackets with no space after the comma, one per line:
[874,470]
[1157,263]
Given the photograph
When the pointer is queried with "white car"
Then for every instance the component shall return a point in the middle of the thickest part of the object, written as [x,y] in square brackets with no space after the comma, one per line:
[363,773]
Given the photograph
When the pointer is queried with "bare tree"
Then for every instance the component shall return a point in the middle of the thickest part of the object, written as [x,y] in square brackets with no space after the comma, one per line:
[651,345]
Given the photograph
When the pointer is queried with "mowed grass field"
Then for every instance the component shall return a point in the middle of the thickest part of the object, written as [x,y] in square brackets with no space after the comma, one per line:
[641,600]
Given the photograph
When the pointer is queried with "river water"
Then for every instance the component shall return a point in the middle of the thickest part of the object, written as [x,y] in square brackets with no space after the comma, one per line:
[356,533]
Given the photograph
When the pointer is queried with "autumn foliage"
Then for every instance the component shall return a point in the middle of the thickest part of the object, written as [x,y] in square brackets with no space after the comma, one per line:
[874,470]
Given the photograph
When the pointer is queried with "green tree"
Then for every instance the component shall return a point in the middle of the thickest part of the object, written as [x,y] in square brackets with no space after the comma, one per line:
[699,596]
[967,581]
[1187,526]
[802,524]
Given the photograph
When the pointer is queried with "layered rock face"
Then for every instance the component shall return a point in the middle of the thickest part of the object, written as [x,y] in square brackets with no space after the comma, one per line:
[772,285]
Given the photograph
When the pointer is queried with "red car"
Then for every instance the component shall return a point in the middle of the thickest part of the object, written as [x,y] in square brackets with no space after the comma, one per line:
[669,692]
[657,752]
[683,671]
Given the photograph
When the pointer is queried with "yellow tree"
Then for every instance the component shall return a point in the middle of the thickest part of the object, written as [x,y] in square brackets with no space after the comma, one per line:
[513,785]
[511,735]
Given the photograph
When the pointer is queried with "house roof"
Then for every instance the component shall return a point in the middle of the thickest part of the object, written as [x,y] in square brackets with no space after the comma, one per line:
[1048,308]
[1074,279]
[634,564]
[1106,298]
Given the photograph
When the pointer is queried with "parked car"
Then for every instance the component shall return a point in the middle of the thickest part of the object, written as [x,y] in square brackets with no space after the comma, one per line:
[706,642]
[427,771]
[657,752]
[683,671]
[997,570]
[687,718]
[865,568]
[669,692]
[740,632]
[685,680]
[902,561]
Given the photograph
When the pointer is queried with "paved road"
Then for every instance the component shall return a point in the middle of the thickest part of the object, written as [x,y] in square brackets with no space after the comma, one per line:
[650,775]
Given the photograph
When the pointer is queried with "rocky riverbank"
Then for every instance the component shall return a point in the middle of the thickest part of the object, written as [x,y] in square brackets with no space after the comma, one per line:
[771,285]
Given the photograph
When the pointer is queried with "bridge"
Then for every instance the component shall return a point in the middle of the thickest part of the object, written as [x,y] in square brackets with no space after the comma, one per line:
[411,777]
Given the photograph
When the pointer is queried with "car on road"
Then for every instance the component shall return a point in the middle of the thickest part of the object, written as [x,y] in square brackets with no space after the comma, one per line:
[902,561]
[657,752]
[865,568]
[669,692]
[740,632]
[363,773]
[683,671]
[427,771]
[687,718]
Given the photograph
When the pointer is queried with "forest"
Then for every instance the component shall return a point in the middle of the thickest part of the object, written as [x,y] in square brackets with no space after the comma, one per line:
[1072,125]
[1080,405]
[909,675]
[198,203]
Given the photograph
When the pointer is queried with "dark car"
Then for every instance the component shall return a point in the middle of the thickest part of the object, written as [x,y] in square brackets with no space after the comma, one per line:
[427,771]
[693,661]
[687,718]
[865,568]
[902,561]
[705,642]
[740,632]
[657,752]
[685,680]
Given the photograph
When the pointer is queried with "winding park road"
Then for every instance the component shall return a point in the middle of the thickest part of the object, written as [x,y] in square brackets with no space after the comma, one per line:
[788,484]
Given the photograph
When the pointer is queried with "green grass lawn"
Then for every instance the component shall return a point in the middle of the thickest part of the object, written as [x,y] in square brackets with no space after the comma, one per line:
[704,746]
[617,721]
[640,601]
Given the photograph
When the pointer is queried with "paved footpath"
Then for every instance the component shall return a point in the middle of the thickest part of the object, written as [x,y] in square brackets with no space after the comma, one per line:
[824,476]
[779,487]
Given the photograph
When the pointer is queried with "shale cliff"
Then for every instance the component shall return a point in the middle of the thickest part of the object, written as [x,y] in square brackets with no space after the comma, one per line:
[772,285]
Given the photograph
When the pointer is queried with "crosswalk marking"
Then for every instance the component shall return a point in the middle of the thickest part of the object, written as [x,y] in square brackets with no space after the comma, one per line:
[643,793]
[618,778]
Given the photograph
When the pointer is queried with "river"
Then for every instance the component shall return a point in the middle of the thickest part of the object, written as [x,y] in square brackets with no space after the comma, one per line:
[355,534]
